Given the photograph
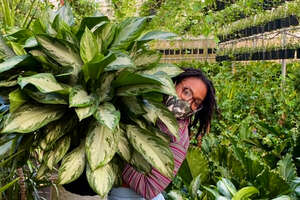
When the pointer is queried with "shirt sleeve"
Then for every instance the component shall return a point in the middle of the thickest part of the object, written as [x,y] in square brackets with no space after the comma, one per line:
[150,185]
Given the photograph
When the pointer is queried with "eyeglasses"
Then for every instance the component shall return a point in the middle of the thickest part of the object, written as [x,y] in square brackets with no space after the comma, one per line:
[187,95]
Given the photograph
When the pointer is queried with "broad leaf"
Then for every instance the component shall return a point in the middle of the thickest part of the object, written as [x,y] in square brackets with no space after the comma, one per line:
[100,145]
[198,163]
[134,105]
[245,193]
[158,110]
[226,187]
[139,89]
[122,61]
[129,78]
[86,112]
[124,148]
[156,35]
[61,51]
[79,97]
[170,69]
[12,62]
[65,14]
[176,195]
[146,58]
[88,46]
[287,168]
[139,163]
[55,130]
[105,91]
[18,48]
[58,151]
[107,115]
[129,31]
[29,118]
[155,151]
[107,35]
[102,179]
[44,82]
[195,186]
[72,165]
[49,98]
[16,99]
[89,22]
[31,42]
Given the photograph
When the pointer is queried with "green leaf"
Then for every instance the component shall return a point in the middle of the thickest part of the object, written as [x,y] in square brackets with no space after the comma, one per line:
[58,152]
[283,197]
[195,186]
[12,62]
[29,118]
[129,78]
[79,97]
[49,98]
[155,151]
[156,35]
[55,130]
[8,185]
[226,187]
[170,69]
[158,110]
[185,173]
[139,89]
[129,31]
[107,115]
[16,99]
[44,82]
[31,42]
[124,147]
[107,35]
[86,112]
[139,163]
[287,168]
[146,58]
[89,22]
[245,192]
[102,179]
[100,145]
[175,195]
[18,48]
[198,163]
[122,61]
[7,146]
[95,68]
[134,105]
[88,46]
[105,91]
[61,51]
[72,165]
[65,14]
[8,83]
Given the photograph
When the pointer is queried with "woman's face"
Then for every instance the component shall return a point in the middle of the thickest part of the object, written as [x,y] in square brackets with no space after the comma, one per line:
[193,90]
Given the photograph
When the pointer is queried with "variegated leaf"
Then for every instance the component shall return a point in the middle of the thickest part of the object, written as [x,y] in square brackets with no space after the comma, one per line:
[135,90]
[134,105]
[170,69]
[49,98]
[16,99]
[153,149]
[157,110]
[124,147]
[29,118]
[44,82]
[88,46]
[72,165]
[145,58]
[58,151]
[139,163]
[56,130]
[100,145]
[86,112]
[102,179]
[79,97]
[107,115]
[105,89]
[122,61]
[41,171]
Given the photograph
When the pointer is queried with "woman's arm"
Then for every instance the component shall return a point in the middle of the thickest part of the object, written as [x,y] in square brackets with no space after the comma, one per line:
[152,184]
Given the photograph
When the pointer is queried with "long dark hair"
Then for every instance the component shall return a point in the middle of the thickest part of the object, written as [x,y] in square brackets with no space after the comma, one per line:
[202,118]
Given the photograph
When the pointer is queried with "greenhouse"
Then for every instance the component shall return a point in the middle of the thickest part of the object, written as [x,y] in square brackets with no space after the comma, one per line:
[149,99]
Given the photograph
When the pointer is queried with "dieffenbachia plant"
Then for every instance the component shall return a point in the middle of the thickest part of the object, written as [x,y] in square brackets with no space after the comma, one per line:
[86,96]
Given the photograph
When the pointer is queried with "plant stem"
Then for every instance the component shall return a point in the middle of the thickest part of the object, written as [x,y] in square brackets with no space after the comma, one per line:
[22,183]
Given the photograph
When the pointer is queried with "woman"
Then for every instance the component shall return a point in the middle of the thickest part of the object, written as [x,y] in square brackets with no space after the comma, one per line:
[196,97]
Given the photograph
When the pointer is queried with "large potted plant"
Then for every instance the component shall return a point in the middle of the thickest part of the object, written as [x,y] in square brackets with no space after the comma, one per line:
[85,97]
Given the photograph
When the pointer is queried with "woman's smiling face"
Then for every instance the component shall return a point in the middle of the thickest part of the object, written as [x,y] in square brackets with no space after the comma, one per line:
[193,90]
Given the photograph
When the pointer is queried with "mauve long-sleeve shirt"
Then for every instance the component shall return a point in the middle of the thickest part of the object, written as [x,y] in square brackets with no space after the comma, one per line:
[150,185]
